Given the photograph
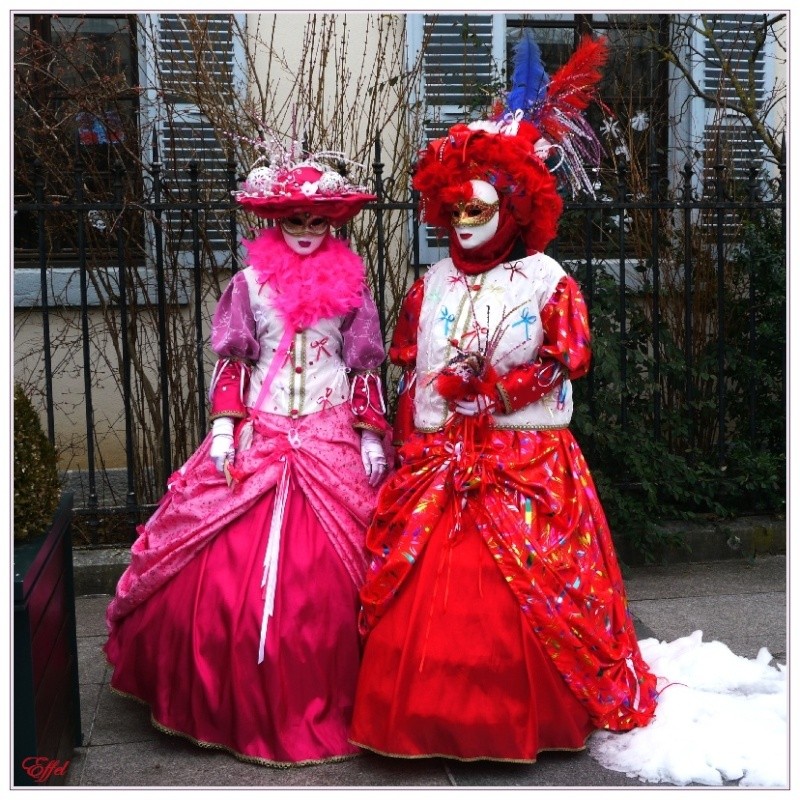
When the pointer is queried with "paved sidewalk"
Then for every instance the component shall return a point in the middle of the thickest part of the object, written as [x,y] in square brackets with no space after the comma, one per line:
[739,602]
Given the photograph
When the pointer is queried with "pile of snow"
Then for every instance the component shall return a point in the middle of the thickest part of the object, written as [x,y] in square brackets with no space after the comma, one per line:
[720,717]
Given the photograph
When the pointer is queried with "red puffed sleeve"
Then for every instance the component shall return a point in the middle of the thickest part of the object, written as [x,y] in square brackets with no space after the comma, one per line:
[565,351]
[229,382]
[403,352]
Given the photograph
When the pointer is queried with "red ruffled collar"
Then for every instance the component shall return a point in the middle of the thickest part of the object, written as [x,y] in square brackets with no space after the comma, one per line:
[494,252]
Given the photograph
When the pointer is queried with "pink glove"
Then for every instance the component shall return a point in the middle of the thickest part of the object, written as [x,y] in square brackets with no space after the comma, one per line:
[373,457]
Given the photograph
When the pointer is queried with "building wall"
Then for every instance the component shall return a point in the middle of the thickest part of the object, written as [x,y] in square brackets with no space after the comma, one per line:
[69,394]
[373,45]
[277,42]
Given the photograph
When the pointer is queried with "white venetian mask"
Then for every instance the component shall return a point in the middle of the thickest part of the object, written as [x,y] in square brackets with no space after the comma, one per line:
[304,233]
[475,221]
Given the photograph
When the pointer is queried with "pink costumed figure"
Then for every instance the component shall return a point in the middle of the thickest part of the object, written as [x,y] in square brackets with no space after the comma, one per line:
[236,621]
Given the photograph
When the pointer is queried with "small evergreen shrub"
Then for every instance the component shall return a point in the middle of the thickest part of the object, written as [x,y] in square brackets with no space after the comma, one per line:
[37,488]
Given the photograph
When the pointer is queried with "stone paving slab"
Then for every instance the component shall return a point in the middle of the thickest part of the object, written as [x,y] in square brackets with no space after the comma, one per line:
[742,603]
[745,623]
[551,769]
[92,665]
[90,611]
[172,761]
[708,578]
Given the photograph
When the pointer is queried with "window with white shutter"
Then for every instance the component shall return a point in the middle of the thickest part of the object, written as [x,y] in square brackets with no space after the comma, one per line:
[463,58]
[727,133]
[185,52]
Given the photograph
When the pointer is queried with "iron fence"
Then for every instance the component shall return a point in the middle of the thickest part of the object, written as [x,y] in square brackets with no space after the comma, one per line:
[659,249]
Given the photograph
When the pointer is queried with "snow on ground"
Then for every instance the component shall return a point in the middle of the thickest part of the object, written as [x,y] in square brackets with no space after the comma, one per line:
[720,717]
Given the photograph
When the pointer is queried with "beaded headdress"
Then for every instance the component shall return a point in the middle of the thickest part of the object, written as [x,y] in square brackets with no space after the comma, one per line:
[286,181]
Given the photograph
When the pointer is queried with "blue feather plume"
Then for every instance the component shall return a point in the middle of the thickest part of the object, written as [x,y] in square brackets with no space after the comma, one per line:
[529,81]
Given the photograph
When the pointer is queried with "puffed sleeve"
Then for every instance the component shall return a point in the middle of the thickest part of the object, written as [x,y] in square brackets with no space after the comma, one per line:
[362,347]
[565,351]
[233,329]
[363,353]
[403,349]
[565,320]
[233,339]
[403,352]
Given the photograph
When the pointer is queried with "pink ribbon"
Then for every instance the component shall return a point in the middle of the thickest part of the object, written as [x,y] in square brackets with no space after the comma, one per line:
[278,359]
[324,401]
[319,346]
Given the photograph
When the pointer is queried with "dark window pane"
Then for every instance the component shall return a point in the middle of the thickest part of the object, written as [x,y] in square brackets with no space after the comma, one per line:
[75,98]
[91,48]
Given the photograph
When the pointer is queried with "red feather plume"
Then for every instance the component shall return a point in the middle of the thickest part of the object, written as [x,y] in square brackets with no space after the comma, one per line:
[575,83]
[571,90]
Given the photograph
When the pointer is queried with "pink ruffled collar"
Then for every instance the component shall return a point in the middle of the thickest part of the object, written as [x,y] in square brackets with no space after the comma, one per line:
[327,283]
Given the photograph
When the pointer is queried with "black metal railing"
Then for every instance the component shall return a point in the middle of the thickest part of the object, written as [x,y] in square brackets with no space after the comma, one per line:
[658,246]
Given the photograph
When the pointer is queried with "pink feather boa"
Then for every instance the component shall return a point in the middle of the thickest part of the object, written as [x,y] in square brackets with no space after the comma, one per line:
[327,283]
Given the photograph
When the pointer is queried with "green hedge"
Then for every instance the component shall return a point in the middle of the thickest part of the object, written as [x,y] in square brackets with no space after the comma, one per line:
[684,473]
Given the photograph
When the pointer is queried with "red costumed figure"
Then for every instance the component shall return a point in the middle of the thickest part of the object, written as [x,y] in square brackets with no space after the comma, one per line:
[237,620]
[494,613]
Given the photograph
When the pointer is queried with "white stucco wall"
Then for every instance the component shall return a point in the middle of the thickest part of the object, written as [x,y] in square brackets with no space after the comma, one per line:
[365,53]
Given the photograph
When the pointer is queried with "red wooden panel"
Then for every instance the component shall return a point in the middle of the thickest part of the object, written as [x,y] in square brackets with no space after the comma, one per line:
[44,637]
[56,676]
[56,732]
[40,591]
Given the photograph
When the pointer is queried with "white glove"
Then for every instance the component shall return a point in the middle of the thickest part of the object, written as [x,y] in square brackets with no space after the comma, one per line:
[470,408]
[222,442]
[373,457]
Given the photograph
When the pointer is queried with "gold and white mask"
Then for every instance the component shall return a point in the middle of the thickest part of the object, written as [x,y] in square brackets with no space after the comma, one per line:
[475,221]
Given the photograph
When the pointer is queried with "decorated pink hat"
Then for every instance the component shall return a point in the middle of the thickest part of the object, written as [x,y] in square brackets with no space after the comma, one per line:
[289,185]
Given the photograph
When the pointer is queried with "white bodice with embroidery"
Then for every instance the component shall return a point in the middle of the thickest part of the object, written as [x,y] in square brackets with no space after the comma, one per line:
[465,311]
[313,376]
